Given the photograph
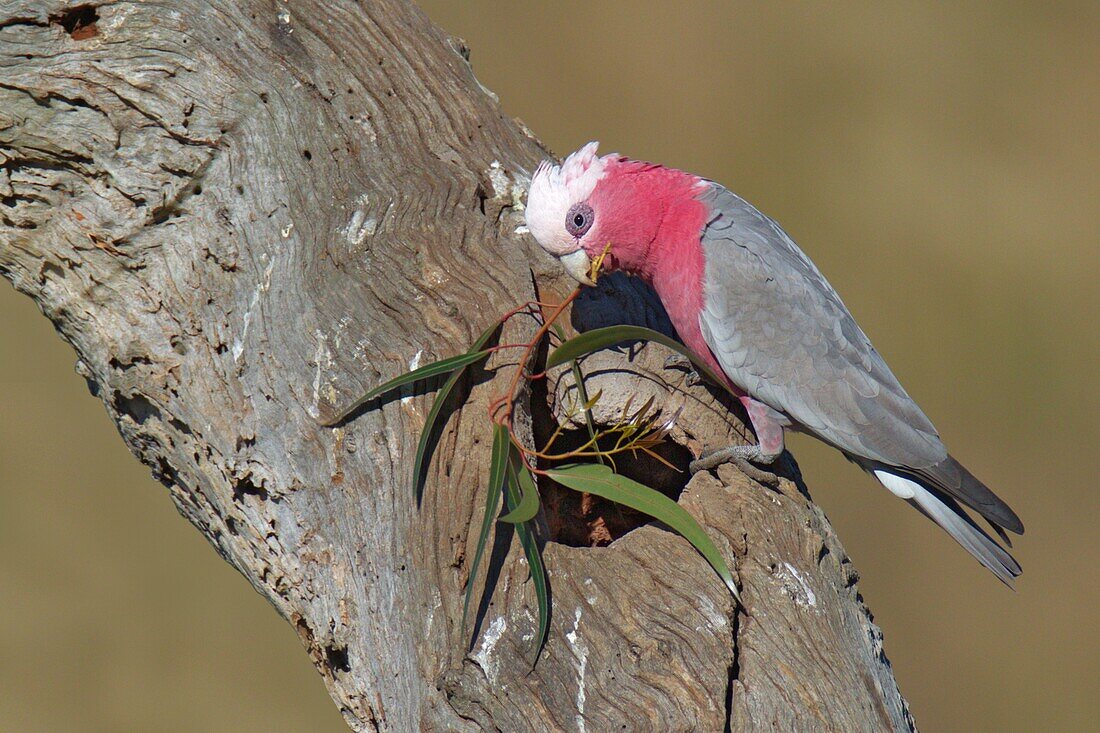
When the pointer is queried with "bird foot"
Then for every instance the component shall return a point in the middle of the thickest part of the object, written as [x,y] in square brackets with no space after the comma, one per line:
[742,456]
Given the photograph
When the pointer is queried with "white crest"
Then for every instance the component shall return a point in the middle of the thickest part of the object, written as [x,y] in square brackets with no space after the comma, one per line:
[555,188]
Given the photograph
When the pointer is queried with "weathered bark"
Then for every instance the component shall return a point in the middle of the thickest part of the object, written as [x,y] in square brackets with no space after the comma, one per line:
[243,214]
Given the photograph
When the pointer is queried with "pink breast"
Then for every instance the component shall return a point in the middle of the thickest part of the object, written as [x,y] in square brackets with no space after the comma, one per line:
[677,272]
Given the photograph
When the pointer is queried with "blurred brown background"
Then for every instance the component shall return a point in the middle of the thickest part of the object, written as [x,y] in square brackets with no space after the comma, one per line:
[939,163]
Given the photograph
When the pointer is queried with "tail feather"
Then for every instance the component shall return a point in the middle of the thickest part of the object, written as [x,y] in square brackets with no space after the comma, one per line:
[952,478]
[1001,534]
[946,512]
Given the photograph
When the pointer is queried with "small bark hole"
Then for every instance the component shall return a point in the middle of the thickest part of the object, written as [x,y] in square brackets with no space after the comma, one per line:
[79,22]
[137,406]
[337,658]
[245,486]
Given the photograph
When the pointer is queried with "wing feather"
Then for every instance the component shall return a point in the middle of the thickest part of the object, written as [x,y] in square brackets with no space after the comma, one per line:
[780,332]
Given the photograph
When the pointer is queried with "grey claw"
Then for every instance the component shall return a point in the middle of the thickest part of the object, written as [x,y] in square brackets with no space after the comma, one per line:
[742,456]
[768,478]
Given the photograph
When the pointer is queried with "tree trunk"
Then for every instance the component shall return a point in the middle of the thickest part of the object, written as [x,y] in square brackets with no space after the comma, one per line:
[244,214]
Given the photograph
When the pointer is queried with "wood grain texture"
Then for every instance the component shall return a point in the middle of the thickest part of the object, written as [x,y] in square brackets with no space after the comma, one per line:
[241,215]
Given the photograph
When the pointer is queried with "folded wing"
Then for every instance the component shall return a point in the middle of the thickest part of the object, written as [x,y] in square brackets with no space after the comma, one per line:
[781,333]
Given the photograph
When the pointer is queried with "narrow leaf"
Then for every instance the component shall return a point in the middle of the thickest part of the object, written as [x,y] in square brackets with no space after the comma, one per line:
[427,371]
[498,462]
[600,480]
[520,478]
[420,463]
[534,562]
[589,402]
[601,338]
[639,417]
[582,391]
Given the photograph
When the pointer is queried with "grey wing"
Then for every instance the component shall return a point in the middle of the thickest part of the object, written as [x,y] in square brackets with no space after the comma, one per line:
[782,334]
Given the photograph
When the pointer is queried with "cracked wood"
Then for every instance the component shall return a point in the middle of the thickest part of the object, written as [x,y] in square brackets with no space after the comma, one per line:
[243,214]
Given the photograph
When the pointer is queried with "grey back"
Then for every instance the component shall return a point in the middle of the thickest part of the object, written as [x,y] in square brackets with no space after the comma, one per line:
[782,334]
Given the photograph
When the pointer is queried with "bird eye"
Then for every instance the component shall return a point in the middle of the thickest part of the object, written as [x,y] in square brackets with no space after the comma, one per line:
[579,219]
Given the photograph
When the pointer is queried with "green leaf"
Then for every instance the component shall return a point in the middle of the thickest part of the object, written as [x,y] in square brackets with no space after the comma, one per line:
[427,371]
[519,477]
[420,463]
[582,392]
[498,463]
[534,558]
[601,338]
[600,480]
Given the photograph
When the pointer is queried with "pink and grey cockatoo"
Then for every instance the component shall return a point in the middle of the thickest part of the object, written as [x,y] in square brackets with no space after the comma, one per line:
[748,302]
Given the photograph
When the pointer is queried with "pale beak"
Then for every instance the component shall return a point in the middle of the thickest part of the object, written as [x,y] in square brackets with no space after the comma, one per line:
[579,266]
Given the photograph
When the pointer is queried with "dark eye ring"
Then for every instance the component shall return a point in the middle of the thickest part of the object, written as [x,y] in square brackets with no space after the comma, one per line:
[579,219]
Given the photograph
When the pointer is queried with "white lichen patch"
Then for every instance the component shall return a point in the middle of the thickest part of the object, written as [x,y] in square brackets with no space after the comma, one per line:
[413,364]
[322,358]
[434,276]
[580,651]
[361,226]
[484,654]
[119,17]
[715,618]
[796,586]
[341,326]
[437,603]
[364,121]
[592,597]
[262,287]
[502,185]
[508,187]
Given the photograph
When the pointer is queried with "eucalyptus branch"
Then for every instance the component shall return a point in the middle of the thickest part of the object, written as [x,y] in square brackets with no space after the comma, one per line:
[515,468]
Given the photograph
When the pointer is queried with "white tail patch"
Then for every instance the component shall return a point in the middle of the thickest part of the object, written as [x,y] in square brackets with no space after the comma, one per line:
[899,486]
[954,522]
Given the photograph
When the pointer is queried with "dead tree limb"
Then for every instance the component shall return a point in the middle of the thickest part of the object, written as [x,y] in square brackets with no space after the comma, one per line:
[242,214]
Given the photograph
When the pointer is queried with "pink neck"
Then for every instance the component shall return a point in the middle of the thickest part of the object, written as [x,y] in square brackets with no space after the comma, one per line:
[676,270]
[657,236]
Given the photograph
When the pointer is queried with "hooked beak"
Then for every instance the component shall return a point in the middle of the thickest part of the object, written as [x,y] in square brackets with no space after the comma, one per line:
[579,266]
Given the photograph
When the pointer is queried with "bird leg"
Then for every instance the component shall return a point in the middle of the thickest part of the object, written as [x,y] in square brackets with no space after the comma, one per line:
[768,426]
[766,423]
[742,456]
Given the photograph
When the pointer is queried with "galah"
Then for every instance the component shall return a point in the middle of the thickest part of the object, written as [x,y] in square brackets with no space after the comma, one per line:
[752,306]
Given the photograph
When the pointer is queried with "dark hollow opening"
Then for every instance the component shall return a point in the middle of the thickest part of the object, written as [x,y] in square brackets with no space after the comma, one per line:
[585,520]
[78,22]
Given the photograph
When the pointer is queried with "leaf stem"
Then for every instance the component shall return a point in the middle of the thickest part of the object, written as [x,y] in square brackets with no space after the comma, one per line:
[510,394]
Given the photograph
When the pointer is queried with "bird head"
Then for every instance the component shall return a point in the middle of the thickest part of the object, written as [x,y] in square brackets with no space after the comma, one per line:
[609,209]
[559,213]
